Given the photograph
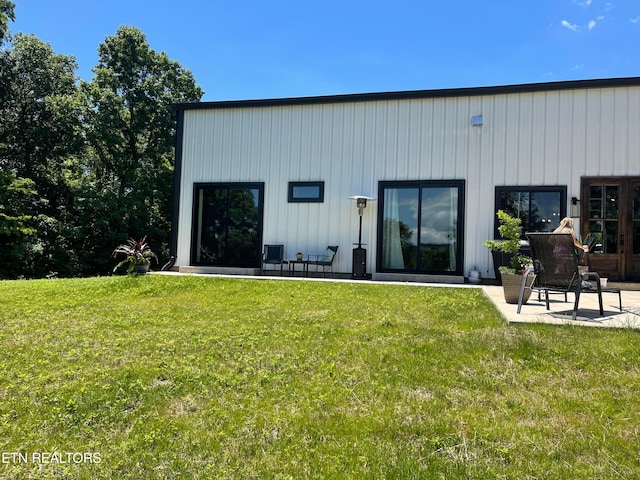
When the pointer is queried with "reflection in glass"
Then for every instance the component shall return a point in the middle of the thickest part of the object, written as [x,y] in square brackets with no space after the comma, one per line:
[595,191]
[228,226]
[603,217]
[400,228]
[611,202]
[312,191]
[595,231]
[438,229]
[539,209]
[611,237]
[595,208]
[545,212]
[420,228]
[516,204]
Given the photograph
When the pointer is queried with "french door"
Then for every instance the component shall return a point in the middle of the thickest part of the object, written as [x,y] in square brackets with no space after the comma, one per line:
[610,212]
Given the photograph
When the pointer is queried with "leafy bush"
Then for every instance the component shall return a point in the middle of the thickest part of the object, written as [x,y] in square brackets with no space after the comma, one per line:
[510,230]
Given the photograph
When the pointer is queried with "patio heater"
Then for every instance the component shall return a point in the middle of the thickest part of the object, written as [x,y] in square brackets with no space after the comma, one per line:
[359,268]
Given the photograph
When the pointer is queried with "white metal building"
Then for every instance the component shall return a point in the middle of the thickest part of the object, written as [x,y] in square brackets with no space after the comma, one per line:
[438,163]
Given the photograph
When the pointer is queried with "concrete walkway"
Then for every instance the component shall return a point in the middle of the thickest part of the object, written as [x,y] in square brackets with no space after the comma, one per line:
[535,311]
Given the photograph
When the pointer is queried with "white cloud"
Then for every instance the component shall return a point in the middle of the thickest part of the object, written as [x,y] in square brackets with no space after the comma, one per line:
[635,20]
[591,24]
[570,26]
[577,68]
[582,3]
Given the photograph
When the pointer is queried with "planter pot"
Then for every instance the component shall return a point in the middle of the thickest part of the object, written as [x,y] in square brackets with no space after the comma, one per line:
[511,285]
[141,269]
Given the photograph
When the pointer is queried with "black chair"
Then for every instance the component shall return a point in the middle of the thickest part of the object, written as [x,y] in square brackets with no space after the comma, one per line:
[324,260]
[555,267]
[273,255]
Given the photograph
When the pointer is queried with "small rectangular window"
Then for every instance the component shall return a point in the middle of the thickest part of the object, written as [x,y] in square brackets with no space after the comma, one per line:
[301,192]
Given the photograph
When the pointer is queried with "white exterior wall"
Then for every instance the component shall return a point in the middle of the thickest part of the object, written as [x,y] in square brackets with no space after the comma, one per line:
[537,138]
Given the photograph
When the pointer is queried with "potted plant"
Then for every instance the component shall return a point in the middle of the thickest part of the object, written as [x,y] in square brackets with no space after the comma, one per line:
[510,230]
[138,256]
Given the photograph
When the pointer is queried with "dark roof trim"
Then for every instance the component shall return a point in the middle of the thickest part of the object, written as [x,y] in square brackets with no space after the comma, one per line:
[417,94]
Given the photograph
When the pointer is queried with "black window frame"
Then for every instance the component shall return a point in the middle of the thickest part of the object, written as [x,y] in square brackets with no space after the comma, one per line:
[291,198]
[199,186]
[460,184]
[560,189]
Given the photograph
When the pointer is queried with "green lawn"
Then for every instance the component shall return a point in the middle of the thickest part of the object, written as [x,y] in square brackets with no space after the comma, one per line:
[193,377]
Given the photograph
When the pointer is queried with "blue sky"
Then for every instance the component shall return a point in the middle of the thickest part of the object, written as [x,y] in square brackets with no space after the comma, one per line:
[247,49]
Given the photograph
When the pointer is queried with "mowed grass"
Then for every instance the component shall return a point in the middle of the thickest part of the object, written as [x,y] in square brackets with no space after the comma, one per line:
[194,377]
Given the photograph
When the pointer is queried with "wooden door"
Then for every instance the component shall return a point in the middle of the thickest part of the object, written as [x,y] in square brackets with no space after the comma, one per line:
[610,211]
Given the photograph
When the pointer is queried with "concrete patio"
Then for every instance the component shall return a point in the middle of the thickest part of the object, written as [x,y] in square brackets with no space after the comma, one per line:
[535,311]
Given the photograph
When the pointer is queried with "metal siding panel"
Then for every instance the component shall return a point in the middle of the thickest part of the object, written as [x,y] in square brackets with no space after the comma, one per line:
[414,128]
[512,142]
[620,131]
[525,142]
[437,139]
[527,138]
[579,128]
[533,167]
[593,133]
[563,155]
[549,164]
[606,129]
[633,133]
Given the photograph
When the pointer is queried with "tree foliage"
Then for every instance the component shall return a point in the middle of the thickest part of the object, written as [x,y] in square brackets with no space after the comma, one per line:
[6,14]
[84,165]
[16,234]
[130,134]
[41,137]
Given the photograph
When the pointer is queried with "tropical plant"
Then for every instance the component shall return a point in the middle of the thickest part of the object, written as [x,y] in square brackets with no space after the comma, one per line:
[136,253]
[510,230]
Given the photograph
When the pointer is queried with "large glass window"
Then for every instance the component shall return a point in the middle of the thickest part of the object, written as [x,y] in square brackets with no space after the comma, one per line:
[421,226]
[540,208]
[227,224]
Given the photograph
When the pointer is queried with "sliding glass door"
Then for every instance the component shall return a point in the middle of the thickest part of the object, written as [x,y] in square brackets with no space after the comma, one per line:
[421,227]
[227,224]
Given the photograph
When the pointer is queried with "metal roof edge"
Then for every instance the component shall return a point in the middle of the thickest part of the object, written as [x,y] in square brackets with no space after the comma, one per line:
[416,94]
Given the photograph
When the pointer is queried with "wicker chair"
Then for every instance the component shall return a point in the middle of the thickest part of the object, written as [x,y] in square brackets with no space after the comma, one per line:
[555,267]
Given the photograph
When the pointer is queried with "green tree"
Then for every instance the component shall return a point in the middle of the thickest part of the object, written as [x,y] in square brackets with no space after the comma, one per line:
[131,126]
[16,234]
[40,140]
[6,14]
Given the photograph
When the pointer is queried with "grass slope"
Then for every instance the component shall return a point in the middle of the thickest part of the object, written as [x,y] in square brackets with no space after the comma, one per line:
[193,377]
